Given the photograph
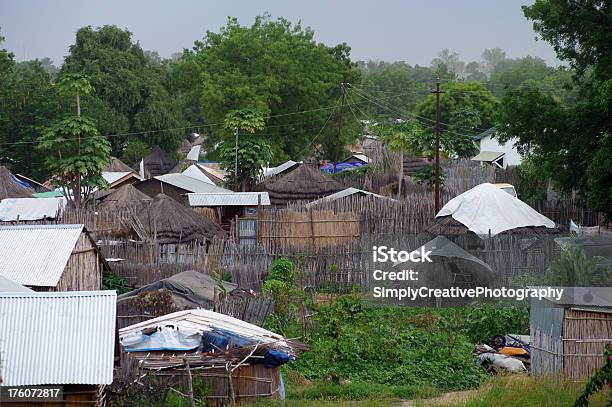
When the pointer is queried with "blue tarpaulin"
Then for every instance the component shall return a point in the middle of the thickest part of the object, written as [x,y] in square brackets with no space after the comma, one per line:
[274,357]
[329,168]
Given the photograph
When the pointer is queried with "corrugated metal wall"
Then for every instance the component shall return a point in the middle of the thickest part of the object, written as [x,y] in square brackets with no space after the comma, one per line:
[57,338]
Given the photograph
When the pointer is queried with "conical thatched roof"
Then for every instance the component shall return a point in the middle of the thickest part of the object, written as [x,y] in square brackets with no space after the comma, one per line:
[172,222]
[9,188]
[158,162]
[305,183]
[124,197]
[117,165]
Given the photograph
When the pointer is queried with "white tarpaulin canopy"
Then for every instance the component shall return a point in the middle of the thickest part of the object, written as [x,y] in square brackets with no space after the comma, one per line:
[486,208]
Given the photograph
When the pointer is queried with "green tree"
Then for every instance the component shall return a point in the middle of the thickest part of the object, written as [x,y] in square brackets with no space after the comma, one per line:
[131,89]
[78,152]
[450,60]
[396,83]
[570,143]
[245,154]
[491,57]
[277,68]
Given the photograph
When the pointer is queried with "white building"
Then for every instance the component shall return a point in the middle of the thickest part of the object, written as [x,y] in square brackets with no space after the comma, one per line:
[495,153]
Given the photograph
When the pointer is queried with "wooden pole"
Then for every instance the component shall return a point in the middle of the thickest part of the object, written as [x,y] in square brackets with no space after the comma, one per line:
[437,183]
[190,383]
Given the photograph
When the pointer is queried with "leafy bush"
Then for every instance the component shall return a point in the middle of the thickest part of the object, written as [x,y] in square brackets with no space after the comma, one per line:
[573,269]
[113,282]
[281,286]
[427,176]
[381,345]
[481,323]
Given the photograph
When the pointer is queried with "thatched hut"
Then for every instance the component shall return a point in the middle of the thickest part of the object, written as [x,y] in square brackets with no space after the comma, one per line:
[305,183]
[9,188]
[166,221]
[487,211]
[158,162]
[116,165]
[123,198]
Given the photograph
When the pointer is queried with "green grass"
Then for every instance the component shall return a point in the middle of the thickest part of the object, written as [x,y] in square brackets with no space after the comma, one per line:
[521,391]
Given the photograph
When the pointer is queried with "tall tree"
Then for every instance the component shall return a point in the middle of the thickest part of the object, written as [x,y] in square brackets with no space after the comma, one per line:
[570,143]
[244,155]
[78,154]
[276,67]
[491,57]
[450,59]
[130,88]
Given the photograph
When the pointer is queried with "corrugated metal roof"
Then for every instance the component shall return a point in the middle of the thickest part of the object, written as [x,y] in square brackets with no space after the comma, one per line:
[205,321]
[35,255]
[484,134]
[229,199]
[9,286]
[189,184]
[194,153]
[281,168]
[194,172]
[50,194]
[487,156]
[114,177]
[361,157]
[344,194]
[57,338]
[12,209]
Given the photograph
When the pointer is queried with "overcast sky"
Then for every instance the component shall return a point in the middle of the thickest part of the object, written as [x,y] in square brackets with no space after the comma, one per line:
[391,30]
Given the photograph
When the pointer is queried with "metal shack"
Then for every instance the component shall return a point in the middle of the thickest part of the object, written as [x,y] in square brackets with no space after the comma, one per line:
[65,340]
[568,335]
[51,257]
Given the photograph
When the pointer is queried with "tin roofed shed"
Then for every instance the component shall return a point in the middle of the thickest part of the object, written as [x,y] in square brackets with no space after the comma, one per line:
[569,335]
[63,339]
[50,257]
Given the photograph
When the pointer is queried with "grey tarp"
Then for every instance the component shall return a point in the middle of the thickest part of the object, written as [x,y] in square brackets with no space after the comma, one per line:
[189,289]
[448,258]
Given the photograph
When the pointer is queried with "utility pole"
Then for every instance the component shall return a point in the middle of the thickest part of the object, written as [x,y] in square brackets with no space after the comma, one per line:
[236,161]
[340,120]
[437,182]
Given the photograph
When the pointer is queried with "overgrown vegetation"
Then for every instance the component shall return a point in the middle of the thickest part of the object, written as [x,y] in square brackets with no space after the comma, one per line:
[396,346]
[112,281]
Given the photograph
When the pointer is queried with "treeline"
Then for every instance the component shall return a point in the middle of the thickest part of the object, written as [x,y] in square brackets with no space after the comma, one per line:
[140,100]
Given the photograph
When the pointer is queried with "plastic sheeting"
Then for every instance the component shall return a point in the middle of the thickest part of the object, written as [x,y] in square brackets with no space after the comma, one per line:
[487,209]
[164,338]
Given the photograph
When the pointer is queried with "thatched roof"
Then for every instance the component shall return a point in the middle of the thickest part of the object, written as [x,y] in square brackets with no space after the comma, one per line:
[9,188]
[173,222]
[305,183]
[448,226]
[158,162]
[116,165]
[124,197]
